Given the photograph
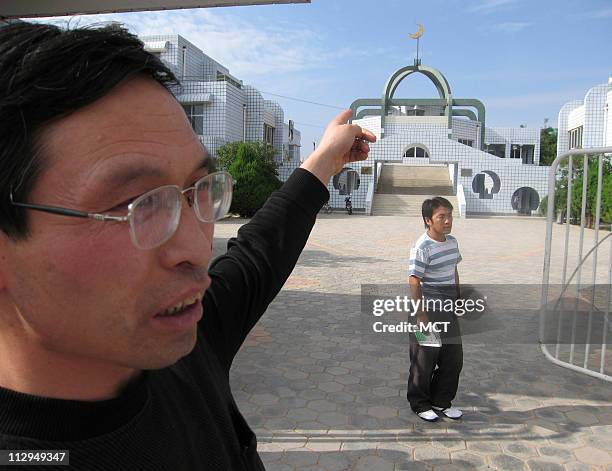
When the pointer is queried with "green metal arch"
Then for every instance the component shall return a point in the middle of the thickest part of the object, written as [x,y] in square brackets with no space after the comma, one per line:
[367,112]
[479,105]
[438,79]
[376,107]
[469,113]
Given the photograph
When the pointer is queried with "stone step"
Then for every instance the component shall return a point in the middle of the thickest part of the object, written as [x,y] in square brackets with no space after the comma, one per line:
[404,205]
[416,177]
[408,198]
[387,178]
[415,190]
[412,182]
[416,172]
[408,170]
[401,189]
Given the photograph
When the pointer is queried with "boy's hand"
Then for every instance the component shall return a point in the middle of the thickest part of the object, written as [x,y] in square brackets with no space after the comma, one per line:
[422,318]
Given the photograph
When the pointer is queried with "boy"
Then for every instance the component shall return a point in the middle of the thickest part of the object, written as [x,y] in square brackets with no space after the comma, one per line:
[432,275]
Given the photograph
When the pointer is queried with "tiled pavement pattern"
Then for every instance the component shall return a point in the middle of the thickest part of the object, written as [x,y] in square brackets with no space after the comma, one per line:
[322,397]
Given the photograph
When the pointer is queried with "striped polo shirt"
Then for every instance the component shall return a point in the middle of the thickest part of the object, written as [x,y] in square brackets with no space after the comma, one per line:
[434,263]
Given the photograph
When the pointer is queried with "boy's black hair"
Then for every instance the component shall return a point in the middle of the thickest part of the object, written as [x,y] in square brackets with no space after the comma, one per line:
[430,205]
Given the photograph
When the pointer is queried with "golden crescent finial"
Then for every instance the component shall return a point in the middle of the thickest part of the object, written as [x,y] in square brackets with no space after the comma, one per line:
[419,32]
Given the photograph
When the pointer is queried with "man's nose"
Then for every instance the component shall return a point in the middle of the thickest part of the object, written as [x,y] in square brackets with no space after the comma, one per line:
[191,243]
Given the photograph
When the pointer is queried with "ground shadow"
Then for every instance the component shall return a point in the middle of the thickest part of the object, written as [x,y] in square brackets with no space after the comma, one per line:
[321,392]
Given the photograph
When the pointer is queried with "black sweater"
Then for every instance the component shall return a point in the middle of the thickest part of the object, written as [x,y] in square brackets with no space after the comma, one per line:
[182,417]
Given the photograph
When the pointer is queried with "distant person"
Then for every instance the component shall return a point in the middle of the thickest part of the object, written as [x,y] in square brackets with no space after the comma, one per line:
[116,337]
[435,362]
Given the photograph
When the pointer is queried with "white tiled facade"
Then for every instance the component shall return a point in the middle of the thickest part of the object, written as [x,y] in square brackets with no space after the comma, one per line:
[221,108]
[587,123]
[491,182]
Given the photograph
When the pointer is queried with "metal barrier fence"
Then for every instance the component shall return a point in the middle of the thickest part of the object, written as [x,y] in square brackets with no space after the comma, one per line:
[570,357]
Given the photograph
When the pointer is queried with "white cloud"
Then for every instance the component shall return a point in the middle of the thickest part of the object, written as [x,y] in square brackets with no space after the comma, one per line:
[247,48]
[510,27]
[285,58]
[487,6]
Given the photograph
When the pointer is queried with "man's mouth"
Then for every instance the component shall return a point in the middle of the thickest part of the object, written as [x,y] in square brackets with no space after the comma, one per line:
[182,306]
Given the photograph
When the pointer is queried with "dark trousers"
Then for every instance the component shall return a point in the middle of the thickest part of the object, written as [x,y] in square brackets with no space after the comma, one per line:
[434,371]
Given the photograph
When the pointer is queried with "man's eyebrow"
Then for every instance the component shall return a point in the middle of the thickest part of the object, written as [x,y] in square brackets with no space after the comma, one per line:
[125,175]
[204,163]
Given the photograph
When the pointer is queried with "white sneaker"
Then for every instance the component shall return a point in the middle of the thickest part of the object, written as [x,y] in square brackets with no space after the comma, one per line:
[428,415]
[450,412]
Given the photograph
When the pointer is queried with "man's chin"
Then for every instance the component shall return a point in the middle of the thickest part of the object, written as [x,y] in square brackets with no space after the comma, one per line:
[168,355]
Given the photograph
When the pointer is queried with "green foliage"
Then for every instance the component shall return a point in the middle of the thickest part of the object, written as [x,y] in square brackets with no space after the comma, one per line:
[548,146]
[591,196]
[543,208]
[264,152]
[606,199]
[252,166]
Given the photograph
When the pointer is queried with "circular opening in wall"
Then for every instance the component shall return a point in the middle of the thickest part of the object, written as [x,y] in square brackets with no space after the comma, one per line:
[346,181]
[486,184]
[525,199]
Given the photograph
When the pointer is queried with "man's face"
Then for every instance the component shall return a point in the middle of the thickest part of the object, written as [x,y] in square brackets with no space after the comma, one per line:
[80,287]
[441,220]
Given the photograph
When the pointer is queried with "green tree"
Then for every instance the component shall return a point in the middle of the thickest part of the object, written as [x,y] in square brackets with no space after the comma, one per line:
[252,166]
[561,189]
[548,145]
[591,196]
[263,151]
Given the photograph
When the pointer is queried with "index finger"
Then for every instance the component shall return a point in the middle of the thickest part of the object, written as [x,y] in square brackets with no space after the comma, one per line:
[343,117]
[367,135]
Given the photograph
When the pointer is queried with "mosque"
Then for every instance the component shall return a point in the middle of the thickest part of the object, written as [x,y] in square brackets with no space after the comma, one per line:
[440,146]
[425,147]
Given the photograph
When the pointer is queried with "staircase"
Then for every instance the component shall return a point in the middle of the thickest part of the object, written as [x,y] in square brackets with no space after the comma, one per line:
[402,189]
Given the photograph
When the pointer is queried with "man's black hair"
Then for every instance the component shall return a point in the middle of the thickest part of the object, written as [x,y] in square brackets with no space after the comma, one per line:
[47,73]
[430,205]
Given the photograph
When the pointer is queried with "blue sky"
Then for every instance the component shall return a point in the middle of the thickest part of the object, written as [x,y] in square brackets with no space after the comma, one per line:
[523,58]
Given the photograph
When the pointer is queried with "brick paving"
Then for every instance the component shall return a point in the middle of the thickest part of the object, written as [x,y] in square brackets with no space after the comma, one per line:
[321,396]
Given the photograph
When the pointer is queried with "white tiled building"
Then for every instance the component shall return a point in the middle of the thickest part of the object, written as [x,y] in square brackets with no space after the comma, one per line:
[498,172]
[588,122]
[220,107]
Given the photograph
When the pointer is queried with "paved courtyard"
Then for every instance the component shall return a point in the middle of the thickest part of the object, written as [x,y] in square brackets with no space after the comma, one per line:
[321,396]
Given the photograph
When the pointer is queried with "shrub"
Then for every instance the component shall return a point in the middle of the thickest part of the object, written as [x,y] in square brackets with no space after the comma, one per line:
[252,166]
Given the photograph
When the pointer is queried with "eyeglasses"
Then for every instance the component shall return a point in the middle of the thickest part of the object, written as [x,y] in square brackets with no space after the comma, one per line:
[155,215]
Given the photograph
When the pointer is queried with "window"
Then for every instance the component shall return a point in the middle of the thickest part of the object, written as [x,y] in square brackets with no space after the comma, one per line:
[195,113]
[415,112]
[527,151]
[575,138]
[498,150]
[515,151]
[269,134]
[416,151]
[467,142]
[225,78]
